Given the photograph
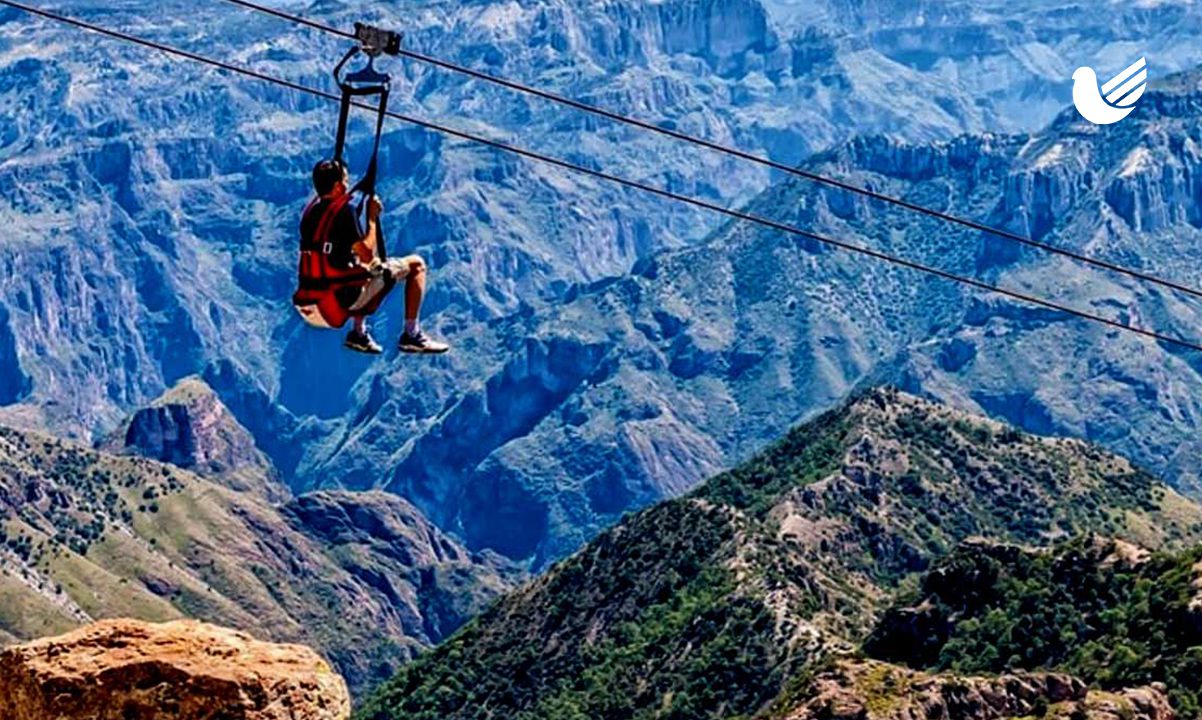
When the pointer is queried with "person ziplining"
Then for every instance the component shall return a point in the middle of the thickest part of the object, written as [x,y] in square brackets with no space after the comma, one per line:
[345,272]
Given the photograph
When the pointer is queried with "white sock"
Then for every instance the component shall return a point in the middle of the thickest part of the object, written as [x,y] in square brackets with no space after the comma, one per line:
[412,327]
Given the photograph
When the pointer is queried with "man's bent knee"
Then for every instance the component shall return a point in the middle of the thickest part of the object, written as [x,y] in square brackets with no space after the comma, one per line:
[402,268]
[416,264]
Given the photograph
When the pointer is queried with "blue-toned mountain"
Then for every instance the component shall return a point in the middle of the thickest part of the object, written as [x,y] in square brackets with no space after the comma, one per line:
[152,208]
[146,247]
[636,388]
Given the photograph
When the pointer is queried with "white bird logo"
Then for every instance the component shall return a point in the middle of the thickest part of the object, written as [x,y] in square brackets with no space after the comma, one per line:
[1113,101]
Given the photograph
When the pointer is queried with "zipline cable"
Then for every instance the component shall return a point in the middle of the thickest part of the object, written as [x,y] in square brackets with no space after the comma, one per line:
[742,154]
[696,202]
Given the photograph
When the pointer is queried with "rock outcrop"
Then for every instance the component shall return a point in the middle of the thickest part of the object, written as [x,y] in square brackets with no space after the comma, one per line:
[191,428]
[432,583]
[184,670]
[877,691]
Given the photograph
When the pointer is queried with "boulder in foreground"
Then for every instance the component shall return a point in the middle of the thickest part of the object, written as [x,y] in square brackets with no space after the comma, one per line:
[186,670]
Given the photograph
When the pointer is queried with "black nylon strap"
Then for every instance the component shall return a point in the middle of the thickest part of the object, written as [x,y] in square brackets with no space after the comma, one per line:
[344,114]
[377,86]
[345,109]
[349,93]
[368,183]
[381,248]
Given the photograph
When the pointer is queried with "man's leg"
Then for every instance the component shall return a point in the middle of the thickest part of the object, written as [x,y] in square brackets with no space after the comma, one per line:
[415,292]
[413,340]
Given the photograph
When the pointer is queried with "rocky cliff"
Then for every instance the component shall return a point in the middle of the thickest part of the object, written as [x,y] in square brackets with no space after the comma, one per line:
[365,578]
[128,670]
[1129,195]
[175,251]
[144,248]
[707,606]
[191,428]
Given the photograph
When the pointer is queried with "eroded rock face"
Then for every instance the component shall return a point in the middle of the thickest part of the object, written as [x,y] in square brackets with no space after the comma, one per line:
[863,690]
[191,428]
[129,670]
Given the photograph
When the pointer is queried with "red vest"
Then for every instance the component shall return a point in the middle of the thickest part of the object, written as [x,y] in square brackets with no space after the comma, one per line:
[329,278]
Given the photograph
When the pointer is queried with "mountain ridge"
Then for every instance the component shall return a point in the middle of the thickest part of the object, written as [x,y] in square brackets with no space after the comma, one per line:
[364,578]
[146,250]
[707,605]
[189,427]
[169,261]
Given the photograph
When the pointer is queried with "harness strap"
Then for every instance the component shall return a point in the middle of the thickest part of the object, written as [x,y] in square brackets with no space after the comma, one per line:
[368,183]
[371,83]
[379,88]
[344,111]
[321,238]
[327,283]
[344,114]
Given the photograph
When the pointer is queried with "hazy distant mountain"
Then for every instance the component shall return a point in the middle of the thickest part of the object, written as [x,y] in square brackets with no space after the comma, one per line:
[175,243]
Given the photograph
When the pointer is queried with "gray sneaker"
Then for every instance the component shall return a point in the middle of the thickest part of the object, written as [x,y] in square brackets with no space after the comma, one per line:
[362,342]
[420,343]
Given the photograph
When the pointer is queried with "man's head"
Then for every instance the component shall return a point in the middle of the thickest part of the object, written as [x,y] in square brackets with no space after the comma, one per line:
[329,178]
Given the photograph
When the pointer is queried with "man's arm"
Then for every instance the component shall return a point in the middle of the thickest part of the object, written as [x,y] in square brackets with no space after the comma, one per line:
[365,249]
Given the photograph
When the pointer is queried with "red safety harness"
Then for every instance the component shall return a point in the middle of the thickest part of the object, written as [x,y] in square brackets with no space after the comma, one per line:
[329,281]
